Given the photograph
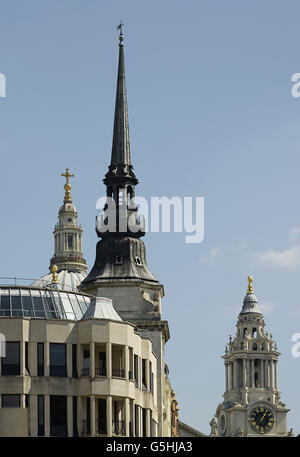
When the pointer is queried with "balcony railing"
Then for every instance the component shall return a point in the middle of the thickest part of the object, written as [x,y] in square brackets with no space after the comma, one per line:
[118,428]
[100,372]
[101,427]
[118,373]
[85,372]
[130,429]
[86,429]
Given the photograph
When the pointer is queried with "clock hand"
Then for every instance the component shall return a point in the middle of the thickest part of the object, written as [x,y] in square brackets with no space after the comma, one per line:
[263,416]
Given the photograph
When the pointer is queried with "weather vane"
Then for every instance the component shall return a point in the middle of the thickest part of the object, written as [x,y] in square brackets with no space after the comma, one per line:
[120,27]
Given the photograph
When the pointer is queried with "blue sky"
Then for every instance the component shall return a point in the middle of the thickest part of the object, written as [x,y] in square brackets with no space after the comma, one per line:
[211,114]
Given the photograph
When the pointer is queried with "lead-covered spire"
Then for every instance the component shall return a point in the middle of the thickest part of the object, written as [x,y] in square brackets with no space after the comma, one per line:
[120,164]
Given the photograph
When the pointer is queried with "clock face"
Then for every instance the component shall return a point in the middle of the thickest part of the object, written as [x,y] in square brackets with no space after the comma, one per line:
[261,419]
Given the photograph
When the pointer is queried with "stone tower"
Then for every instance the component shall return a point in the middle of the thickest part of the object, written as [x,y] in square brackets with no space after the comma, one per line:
[120,271]
[67,258]
[251,405]
[67,235]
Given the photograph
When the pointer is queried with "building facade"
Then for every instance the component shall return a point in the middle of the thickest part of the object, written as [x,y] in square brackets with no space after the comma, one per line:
[252,405]
[85,353]
[66,375]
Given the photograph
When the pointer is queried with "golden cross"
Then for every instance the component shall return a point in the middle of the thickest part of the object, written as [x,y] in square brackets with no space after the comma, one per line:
[67,175]
[67,186]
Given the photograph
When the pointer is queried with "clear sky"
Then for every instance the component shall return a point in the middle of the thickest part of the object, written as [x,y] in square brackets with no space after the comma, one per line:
[211,114]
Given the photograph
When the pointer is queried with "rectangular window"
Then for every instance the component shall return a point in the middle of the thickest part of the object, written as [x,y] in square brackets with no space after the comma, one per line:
[144,382]
[88,415]
[102,417]
[136,420]
[58,415]
[41,415]
[102,363]
[26,358]
[40,359]
[11,363]
[70,241]
[151,424]
[144,422]
[130,374]
[74,361]
[136,370]
[151,377]
[75,428]
[26,401]
[86,363]
[11,401]
[58,365]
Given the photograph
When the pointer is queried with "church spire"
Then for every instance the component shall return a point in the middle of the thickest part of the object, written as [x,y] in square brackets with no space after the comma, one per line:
[120,165]
[121,144]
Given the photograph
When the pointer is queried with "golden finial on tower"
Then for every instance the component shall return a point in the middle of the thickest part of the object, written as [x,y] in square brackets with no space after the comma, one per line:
[250,286]
[54,273]
[67,186]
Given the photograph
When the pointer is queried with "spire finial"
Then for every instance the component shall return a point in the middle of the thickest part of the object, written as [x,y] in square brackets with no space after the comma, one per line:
[67,186]
[250,286]
[121,37]
[54,273]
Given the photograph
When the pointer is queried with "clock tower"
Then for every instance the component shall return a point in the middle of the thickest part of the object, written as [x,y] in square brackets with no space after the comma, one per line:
[252,405]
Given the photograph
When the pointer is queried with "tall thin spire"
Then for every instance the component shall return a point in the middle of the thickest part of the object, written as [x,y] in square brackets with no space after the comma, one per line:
[120,154]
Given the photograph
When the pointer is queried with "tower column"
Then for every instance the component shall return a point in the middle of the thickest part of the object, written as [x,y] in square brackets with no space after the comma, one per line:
[226,376]
[244,373]
[252,372]
[261,373]
[271,373]
[275,372]
[234,374]
[266,374]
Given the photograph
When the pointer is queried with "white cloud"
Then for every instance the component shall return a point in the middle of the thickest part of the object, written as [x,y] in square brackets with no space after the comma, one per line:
[212,254]
[294,233]
[290,258]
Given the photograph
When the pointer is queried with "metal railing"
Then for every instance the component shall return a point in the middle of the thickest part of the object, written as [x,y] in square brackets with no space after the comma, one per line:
[118,373]
[118,428]
[41,284]
[100,372]
[86,429]
[100,427]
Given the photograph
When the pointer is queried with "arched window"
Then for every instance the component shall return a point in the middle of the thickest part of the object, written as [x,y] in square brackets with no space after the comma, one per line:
[245,334]
[254,333]
[254,347]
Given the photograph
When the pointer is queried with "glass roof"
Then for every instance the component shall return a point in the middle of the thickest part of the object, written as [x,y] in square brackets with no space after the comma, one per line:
[42,303]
